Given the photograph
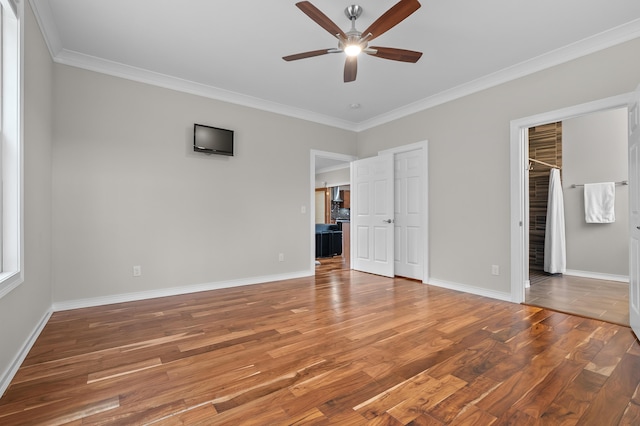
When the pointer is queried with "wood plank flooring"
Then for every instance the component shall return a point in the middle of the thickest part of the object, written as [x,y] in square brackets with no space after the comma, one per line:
[592,298]
[342,348]
[331,264]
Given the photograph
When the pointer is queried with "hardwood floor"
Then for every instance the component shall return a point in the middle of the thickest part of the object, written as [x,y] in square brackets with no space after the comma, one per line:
[330,264]
[599,299]
[343,348]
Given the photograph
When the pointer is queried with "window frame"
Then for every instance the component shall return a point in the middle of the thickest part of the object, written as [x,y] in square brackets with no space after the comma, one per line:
[11,149]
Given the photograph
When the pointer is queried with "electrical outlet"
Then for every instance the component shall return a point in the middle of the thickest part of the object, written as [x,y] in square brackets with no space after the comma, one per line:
[281,257]
[137,271]
[495,270]
[303,209]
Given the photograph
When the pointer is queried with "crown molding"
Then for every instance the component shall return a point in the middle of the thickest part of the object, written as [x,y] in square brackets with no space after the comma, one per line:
[44,17]
[595,43]
[117,69]
[606,39]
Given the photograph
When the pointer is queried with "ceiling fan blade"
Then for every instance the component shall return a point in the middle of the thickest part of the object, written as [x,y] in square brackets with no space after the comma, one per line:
[392,17]
[304,55]
[394,54]
[320,18]
[350,68]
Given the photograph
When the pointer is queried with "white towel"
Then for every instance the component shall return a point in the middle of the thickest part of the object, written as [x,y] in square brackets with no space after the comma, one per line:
[599,202]
[555,252]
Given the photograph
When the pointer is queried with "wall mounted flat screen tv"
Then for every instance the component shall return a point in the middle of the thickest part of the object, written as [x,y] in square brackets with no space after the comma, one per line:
[212,140]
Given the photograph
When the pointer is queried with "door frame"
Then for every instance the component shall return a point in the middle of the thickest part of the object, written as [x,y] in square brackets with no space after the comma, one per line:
[312,184]
[519,144]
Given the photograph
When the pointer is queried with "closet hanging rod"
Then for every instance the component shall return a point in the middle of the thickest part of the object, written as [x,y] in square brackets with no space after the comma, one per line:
[621,183]
[543,163]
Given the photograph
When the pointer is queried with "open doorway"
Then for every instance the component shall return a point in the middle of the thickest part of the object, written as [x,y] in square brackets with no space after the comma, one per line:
[410,207]
[593,282]
[583,278]
[330,219]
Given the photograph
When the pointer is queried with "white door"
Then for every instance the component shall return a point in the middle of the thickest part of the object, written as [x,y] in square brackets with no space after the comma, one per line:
[408,214]
[634,212]
[372,226]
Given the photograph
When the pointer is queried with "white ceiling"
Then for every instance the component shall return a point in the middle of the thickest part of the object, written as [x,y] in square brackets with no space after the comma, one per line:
[232,50]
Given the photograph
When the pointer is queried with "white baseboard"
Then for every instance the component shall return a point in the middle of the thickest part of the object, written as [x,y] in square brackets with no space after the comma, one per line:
[174,291]
[11,371]
[471,289]
[598,276]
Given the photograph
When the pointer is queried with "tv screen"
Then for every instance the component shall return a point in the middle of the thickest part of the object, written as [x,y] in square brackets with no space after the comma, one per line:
[212,140]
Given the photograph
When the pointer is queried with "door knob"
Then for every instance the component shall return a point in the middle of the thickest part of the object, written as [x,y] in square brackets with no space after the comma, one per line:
[391,221]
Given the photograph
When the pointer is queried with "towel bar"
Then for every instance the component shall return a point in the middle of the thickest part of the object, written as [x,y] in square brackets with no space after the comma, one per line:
[621,183]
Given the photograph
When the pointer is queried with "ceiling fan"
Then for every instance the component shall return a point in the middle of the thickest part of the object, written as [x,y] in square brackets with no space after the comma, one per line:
[353,41]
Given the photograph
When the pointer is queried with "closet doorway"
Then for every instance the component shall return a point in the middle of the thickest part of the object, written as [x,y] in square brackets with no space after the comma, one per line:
[595,283]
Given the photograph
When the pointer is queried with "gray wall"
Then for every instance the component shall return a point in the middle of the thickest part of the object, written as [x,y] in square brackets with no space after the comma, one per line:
[25,307]
[129,190]
[469,165]
[594,149]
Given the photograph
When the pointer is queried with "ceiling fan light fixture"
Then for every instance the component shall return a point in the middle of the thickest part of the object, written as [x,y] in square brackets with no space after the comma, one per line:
[353,50]
[353,42]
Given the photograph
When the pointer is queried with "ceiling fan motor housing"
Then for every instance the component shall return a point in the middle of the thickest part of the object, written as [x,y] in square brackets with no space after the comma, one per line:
[353,12]
[354,37]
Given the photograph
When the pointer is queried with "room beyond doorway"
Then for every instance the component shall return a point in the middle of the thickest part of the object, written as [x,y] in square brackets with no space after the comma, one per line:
[519,183]
[589,148]
[324,163]
[327,265]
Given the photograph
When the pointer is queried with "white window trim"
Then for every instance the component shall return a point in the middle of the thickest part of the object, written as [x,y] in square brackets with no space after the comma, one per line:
[12,274]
